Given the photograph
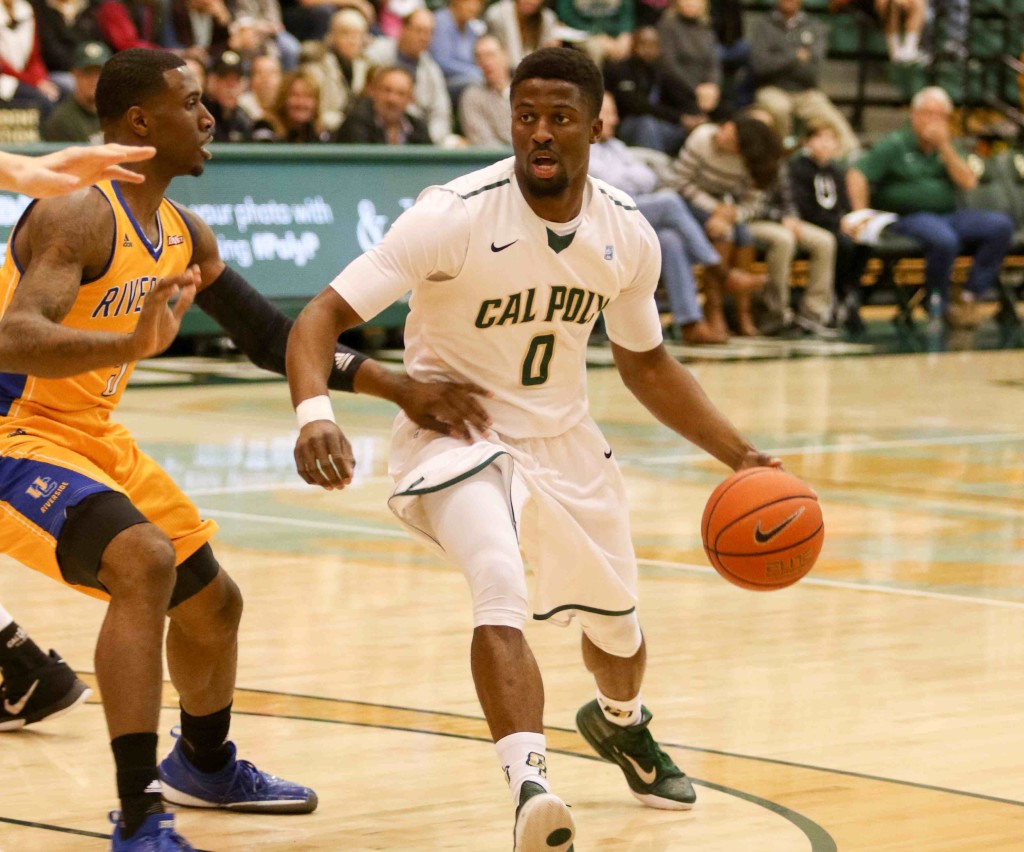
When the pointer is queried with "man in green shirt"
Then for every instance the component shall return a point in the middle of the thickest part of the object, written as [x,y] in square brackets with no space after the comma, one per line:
[74,119]
[916,172]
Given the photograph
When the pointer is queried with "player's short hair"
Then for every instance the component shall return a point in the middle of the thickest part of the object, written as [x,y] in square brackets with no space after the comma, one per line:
[760,147]
[564,63]
[131,77]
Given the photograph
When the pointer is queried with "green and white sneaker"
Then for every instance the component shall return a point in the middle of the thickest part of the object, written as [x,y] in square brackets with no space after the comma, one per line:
[652,776]
[543,821]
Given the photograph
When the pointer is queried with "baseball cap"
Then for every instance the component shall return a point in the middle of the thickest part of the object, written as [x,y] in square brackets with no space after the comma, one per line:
[90,54]
[229,62]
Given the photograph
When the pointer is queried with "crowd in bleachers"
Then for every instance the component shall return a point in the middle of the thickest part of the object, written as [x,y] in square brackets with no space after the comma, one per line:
[671,64]
[705,96]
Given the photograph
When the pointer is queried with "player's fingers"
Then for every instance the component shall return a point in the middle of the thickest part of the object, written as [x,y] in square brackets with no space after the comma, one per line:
[463,420]
[185,299]
[304,463]
[120,173]
[471,388]
[332,462]
[430,422]
[467,404]
[127,153]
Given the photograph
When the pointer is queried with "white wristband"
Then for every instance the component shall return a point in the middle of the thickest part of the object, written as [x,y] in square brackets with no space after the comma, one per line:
[314,408]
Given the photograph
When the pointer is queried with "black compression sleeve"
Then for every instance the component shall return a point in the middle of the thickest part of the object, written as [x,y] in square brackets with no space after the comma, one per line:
[260,330]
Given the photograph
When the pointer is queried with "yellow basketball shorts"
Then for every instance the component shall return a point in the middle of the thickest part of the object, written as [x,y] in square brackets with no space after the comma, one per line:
[46,467]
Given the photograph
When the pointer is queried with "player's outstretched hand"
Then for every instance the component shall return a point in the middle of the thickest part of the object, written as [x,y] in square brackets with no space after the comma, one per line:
[753,458]
[323,455]
[451,408]
[74,168]
[159,320]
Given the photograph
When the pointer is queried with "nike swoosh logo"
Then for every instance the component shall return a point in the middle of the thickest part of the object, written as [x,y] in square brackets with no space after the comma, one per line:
[15,708]
[495,248]
[763,537]
[646,776]
[608,454]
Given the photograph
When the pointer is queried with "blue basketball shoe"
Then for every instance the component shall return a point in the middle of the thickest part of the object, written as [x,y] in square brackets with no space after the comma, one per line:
[156,834]
[239,786]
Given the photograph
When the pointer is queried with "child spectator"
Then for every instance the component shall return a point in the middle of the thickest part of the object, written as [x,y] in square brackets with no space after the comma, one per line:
[819,191]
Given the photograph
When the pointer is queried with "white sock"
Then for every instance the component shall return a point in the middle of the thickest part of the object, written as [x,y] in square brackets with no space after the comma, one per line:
[5,617]
[911,42]
[621,713]
[523,757]
[892,40]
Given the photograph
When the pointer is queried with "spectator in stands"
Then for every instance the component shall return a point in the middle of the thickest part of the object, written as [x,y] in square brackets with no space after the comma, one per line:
[264,83]
[410,51]
[308,20]
[199,23]
[295,115]
[689,48]
[723,173]
[75,118]
[956,21]
[917,172]
[263,19]
[787,51]
[24,81]
[225,83]
[649,12]
[248,38]
[638,85]
[134,23]
[62,26]
[904,22]
[733,51]
[521,26]
[779,228]
[608,23]
[458,26]
[383,116]
[819,191]
[485,115]
[341,67]
[681,237]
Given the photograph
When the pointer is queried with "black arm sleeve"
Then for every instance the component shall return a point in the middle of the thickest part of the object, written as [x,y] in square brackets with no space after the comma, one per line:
[260,330]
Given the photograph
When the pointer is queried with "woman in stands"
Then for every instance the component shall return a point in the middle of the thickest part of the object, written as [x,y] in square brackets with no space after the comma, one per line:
[295,115]
[723,173]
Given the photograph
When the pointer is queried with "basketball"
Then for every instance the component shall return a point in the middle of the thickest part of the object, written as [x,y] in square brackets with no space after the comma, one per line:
[762,529]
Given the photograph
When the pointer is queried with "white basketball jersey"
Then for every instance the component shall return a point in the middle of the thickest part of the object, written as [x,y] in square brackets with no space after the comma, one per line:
[499,298]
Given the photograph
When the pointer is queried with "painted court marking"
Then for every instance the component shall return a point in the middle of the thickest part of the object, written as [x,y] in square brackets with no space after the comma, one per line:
[388,532]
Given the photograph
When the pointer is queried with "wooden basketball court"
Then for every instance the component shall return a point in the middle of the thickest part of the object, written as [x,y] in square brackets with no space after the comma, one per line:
[875,706]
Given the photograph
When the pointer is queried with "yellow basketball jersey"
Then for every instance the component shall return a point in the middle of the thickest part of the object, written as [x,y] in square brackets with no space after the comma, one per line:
[111,302]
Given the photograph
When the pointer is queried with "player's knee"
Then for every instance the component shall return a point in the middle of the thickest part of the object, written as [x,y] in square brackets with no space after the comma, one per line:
[206,601]
[498,588]
[138,565]
[618,635]
[226,613]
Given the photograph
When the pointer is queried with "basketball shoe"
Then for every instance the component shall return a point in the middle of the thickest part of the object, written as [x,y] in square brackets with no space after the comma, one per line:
[48,691]
[156,834]
[543,821]
[239,786]
[652,776]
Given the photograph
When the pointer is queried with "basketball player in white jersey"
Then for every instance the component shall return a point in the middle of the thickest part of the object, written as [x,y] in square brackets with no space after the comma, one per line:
[509,268]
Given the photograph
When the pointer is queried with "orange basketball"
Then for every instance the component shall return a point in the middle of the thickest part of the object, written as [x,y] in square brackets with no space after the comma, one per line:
[762,529]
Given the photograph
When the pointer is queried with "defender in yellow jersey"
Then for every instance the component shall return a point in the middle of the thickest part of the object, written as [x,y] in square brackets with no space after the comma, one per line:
[89,288]
[35,685]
